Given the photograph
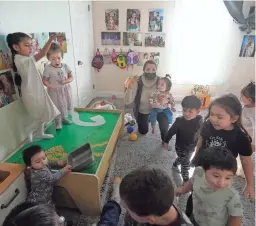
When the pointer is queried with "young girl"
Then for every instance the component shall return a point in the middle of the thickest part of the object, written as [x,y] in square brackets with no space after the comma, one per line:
[40,179]
[215,202]
[35,98]
[56,78]
[223,128]
[163,91]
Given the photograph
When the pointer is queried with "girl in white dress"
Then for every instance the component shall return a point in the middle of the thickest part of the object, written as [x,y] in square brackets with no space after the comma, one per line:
[56,78]
[34,96]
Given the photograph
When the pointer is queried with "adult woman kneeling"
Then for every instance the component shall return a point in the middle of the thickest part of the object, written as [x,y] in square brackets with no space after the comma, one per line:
[139,93]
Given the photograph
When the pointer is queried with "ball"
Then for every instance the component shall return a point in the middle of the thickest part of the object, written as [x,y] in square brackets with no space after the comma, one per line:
[129,129]
[133,137]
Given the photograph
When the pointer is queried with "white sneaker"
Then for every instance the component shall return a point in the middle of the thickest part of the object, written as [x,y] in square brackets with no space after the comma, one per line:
[44,136]
[66,121]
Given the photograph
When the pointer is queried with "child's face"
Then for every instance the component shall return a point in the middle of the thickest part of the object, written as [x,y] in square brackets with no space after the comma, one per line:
[190,113]
[161,86]
[134,15]
[245,100]
[220,119]
[56,59]
[219,179]
[39,160]
[24,47]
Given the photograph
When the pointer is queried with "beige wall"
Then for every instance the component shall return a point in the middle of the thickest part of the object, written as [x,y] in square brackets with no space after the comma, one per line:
[110,79]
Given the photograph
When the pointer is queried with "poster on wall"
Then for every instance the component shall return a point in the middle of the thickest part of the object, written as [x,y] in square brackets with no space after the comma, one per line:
[133,20]
[38,41]
[7,90]
[154,40]
[111,38]
[155,21]
[132,39]
[5,55]
[112,19]
[145,56]
[61,40]
[248,46]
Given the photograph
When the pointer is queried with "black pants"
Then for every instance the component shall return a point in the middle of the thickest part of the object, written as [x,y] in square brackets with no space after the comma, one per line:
[143,123]
[110,214]
[189,206]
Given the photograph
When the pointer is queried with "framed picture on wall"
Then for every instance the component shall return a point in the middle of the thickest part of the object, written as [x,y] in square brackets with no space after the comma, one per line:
[7,89]
[248,46]
[112,19]
[145,56]
[154,40]
[132,39]
[155,21]
[133,20]
[111,38]
[5,55]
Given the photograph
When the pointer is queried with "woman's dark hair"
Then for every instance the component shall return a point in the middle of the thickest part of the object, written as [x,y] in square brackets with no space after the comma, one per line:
[31,215]
[216,157]
[15,39]
[147,191]
[149,62]
[53,49]
[168,82]
[231,104]
[249,91]
[28,153]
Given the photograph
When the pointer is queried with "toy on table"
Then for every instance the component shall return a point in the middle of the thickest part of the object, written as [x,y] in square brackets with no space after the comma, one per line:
[103,105]
[203,93]
[133,137]
[128,120]
[129,129]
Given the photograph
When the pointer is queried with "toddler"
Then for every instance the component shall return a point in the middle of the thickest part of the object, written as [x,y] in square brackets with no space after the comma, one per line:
[39,177]
[56,78]
[157,101]
[215,202]
[186,128]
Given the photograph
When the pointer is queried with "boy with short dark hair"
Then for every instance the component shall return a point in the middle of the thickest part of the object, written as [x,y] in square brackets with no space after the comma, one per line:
[148,194]
[215,202]
[186,128]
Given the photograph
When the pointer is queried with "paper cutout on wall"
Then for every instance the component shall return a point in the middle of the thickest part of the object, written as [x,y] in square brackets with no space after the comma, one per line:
[112,19]
[145,56]
[110,38]
[154,40]
[5,55]
[155,21]
[133,20]
[132,39]
[248,46]
[7,90]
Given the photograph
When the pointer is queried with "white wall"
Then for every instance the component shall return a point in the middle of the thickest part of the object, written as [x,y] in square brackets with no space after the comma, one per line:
[110,79]
[29,17]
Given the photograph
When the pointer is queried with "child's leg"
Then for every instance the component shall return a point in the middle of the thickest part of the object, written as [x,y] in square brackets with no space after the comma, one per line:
[111,210]
[168,113]
[240,171]
[152,118]
[185,163]
[178,159]
[65,120]
[40,132]
[58,122]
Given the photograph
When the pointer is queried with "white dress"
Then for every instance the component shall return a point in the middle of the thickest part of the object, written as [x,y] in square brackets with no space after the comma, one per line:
[34,96]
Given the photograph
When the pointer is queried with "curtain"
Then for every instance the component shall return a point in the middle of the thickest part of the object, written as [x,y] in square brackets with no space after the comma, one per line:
[201,38]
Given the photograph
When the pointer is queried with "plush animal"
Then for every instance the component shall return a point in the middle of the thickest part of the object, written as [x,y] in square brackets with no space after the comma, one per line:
[128,120]
[103,105]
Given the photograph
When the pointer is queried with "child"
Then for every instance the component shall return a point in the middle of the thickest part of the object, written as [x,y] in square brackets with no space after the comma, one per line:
[164,86]
[40,179]
[148,194]
[186,128]
[34,96]
[56,78]
[223,128]
[215,202]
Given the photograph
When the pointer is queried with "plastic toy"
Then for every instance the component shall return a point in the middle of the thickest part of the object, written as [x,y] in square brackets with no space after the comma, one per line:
[133,137]
[103,105]
[128,120]
[129,129]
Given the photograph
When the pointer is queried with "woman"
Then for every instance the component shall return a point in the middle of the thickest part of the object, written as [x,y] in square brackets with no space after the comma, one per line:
[139,94]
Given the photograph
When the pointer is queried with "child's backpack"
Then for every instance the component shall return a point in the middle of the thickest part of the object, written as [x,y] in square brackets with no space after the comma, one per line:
[131,58]
[121,60]
[98,61]
[107,56]
[114,57]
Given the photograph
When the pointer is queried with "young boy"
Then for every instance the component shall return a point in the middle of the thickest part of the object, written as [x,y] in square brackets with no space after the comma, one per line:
[186,129]
[214,200]
[148,194]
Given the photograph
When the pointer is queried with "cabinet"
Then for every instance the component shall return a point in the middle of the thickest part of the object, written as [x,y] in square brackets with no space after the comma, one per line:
[12,196]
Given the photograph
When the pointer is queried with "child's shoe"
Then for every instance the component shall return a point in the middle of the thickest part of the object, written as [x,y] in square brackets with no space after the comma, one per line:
[66,121]
[58,124]
[115,192]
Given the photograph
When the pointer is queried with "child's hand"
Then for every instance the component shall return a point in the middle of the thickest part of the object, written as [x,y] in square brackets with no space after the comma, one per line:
[173,109]
[162,100]
[154,105]
[166,146]
[179,191]
[62,162]
[64,82]
[52,38]
[248,190]
[67,169]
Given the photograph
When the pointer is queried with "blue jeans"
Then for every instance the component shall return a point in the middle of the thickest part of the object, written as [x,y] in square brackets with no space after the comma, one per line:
[153,115]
